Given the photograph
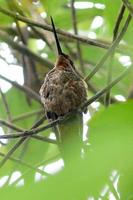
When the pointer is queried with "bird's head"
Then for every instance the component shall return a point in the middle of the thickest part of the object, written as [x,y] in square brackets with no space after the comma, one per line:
[63,60]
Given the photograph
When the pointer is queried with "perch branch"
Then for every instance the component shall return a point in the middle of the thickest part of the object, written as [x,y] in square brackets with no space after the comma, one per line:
[35,130]
[62,119]
[28,133]
[38,137]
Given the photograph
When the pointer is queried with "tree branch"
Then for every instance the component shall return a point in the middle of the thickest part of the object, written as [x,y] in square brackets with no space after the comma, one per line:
[62,119]
[24,89]
[14,148]
[24,50]
[13,127]
[118,21]
[49,28]
[128,6]
[28,133]
[20,161]
[110,50]
[27,115]
[104,90]
[35,130]
[110,67]
[6,105]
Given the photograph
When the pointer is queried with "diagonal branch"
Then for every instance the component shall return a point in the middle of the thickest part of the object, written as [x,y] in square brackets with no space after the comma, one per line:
[27,133]
[110,50]
[20,161]
[13,127]
[44,163]
[6,105]
[23,88]
[118,21]
[27,115]
[49,28]
[62,119]
[110,67]
[35,130]
[24,50]
[128,6]
[15,147]
[40,35]
[104,90]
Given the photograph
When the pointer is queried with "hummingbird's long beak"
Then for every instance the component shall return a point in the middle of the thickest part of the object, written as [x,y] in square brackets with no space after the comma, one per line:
[56,38]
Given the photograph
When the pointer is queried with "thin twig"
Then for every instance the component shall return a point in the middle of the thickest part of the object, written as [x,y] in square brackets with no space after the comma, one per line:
[27,115]
[16,128]
[10,125]
[74,20]
[37,165]
[49,28]
[110,50]
[6,105]
[36,31]
[20,32]
[128,6]
[121,49]
[20,161]
[61,120]
[24,50]
[6,61]
[29,65]
[104,90]
[101,99]
[23,88]
[110,67]
[41,36]
[15,147]
[35,130]
[118,21]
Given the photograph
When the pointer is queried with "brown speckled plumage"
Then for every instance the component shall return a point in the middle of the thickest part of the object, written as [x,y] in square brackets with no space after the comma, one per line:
[63,90]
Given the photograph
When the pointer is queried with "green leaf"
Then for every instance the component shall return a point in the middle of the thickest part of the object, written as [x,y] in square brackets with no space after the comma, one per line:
[5,19]
[111,142]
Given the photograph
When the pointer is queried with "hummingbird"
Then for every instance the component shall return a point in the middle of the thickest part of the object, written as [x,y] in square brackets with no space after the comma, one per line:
[63,91]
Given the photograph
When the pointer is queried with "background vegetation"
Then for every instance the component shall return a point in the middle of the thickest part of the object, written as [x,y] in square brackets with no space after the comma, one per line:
[97,34]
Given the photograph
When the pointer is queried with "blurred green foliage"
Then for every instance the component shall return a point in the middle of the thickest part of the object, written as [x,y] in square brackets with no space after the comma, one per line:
[110,138]
[110,149]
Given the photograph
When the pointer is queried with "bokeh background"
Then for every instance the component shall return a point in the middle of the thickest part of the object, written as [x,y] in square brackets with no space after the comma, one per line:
[27,53]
